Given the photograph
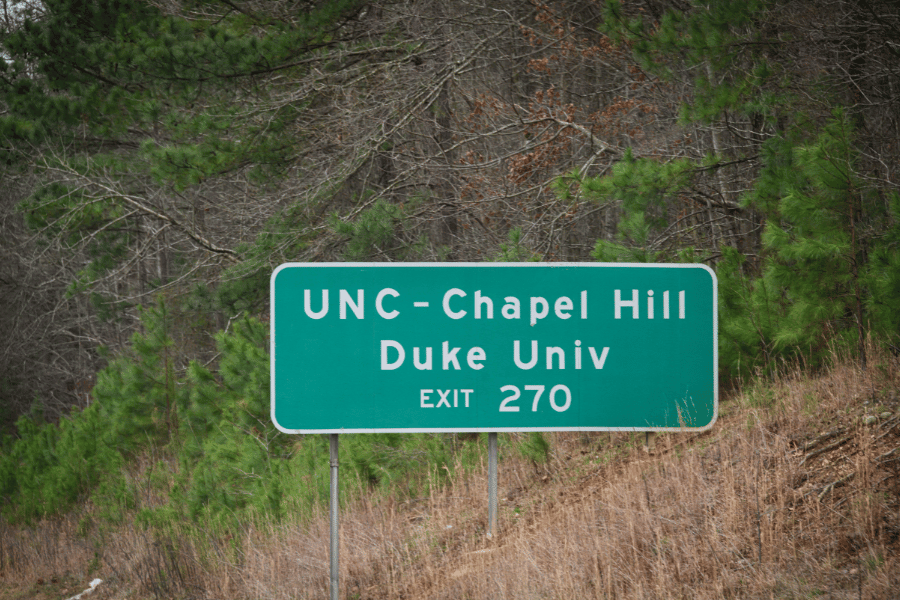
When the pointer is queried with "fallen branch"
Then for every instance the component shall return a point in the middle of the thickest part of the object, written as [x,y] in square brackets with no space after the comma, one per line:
[821,451]
[822,438]
[884,457]
[895,421]
[892,422]
[834,484]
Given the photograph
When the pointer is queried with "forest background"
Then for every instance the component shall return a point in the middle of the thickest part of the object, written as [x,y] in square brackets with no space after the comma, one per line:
[160,158]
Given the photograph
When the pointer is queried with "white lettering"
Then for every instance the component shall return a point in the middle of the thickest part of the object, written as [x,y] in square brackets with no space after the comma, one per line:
[483,301]
[538,390]
[565,390]
[379,299]
[357,307]
[505,405]
[308,309]
[417,363]
[558,352]
[386,365]
[534,355]
[449,356]
[633,303]
[425,398]
[562,304]
[539,309]
[447,310]
[598,362]
[475,355]
[511,309]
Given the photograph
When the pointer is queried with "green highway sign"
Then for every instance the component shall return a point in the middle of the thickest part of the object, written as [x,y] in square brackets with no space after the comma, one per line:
[418,347]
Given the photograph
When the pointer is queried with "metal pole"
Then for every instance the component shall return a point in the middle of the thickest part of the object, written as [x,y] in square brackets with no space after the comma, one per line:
[492,484]
[333,444]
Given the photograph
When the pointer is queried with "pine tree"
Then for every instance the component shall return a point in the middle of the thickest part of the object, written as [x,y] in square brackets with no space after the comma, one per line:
[51,467]
[830,256]
[750,309]
[884,278]
[825,268]
[821,242]
[645,188]
[138,391]
[124,111]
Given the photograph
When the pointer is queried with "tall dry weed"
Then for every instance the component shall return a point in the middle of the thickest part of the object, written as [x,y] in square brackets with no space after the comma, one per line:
[793,494]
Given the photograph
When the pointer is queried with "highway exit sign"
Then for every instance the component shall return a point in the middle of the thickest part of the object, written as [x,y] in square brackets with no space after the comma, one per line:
[427,347]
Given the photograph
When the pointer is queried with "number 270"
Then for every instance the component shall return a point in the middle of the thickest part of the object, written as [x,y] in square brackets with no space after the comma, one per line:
[515,394]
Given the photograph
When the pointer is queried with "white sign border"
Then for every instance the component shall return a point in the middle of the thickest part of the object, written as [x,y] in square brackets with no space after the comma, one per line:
[544,265]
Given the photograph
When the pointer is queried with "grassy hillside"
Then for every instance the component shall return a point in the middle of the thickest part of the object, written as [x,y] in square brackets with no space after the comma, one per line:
[160,159]
[795,493]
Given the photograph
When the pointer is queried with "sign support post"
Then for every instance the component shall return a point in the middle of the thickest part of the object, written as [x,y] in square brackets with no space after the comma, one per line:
[333,449]
[492,484]
[490,347]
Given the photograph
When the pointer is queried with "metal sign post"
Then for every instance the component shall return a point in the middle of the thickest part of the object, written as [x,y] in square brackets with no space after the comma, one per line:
[492,484]
[472,347]
[333,510]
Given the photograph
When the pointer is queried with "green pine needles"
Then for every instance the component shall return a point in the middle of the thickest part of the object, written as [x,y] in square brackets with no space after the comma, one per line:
[825,275]
[169,442]
[830,260]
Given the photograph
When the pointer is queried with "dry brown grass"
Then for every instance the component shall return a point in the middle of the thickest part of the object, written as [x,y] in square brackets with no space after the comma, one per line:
[762,506]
